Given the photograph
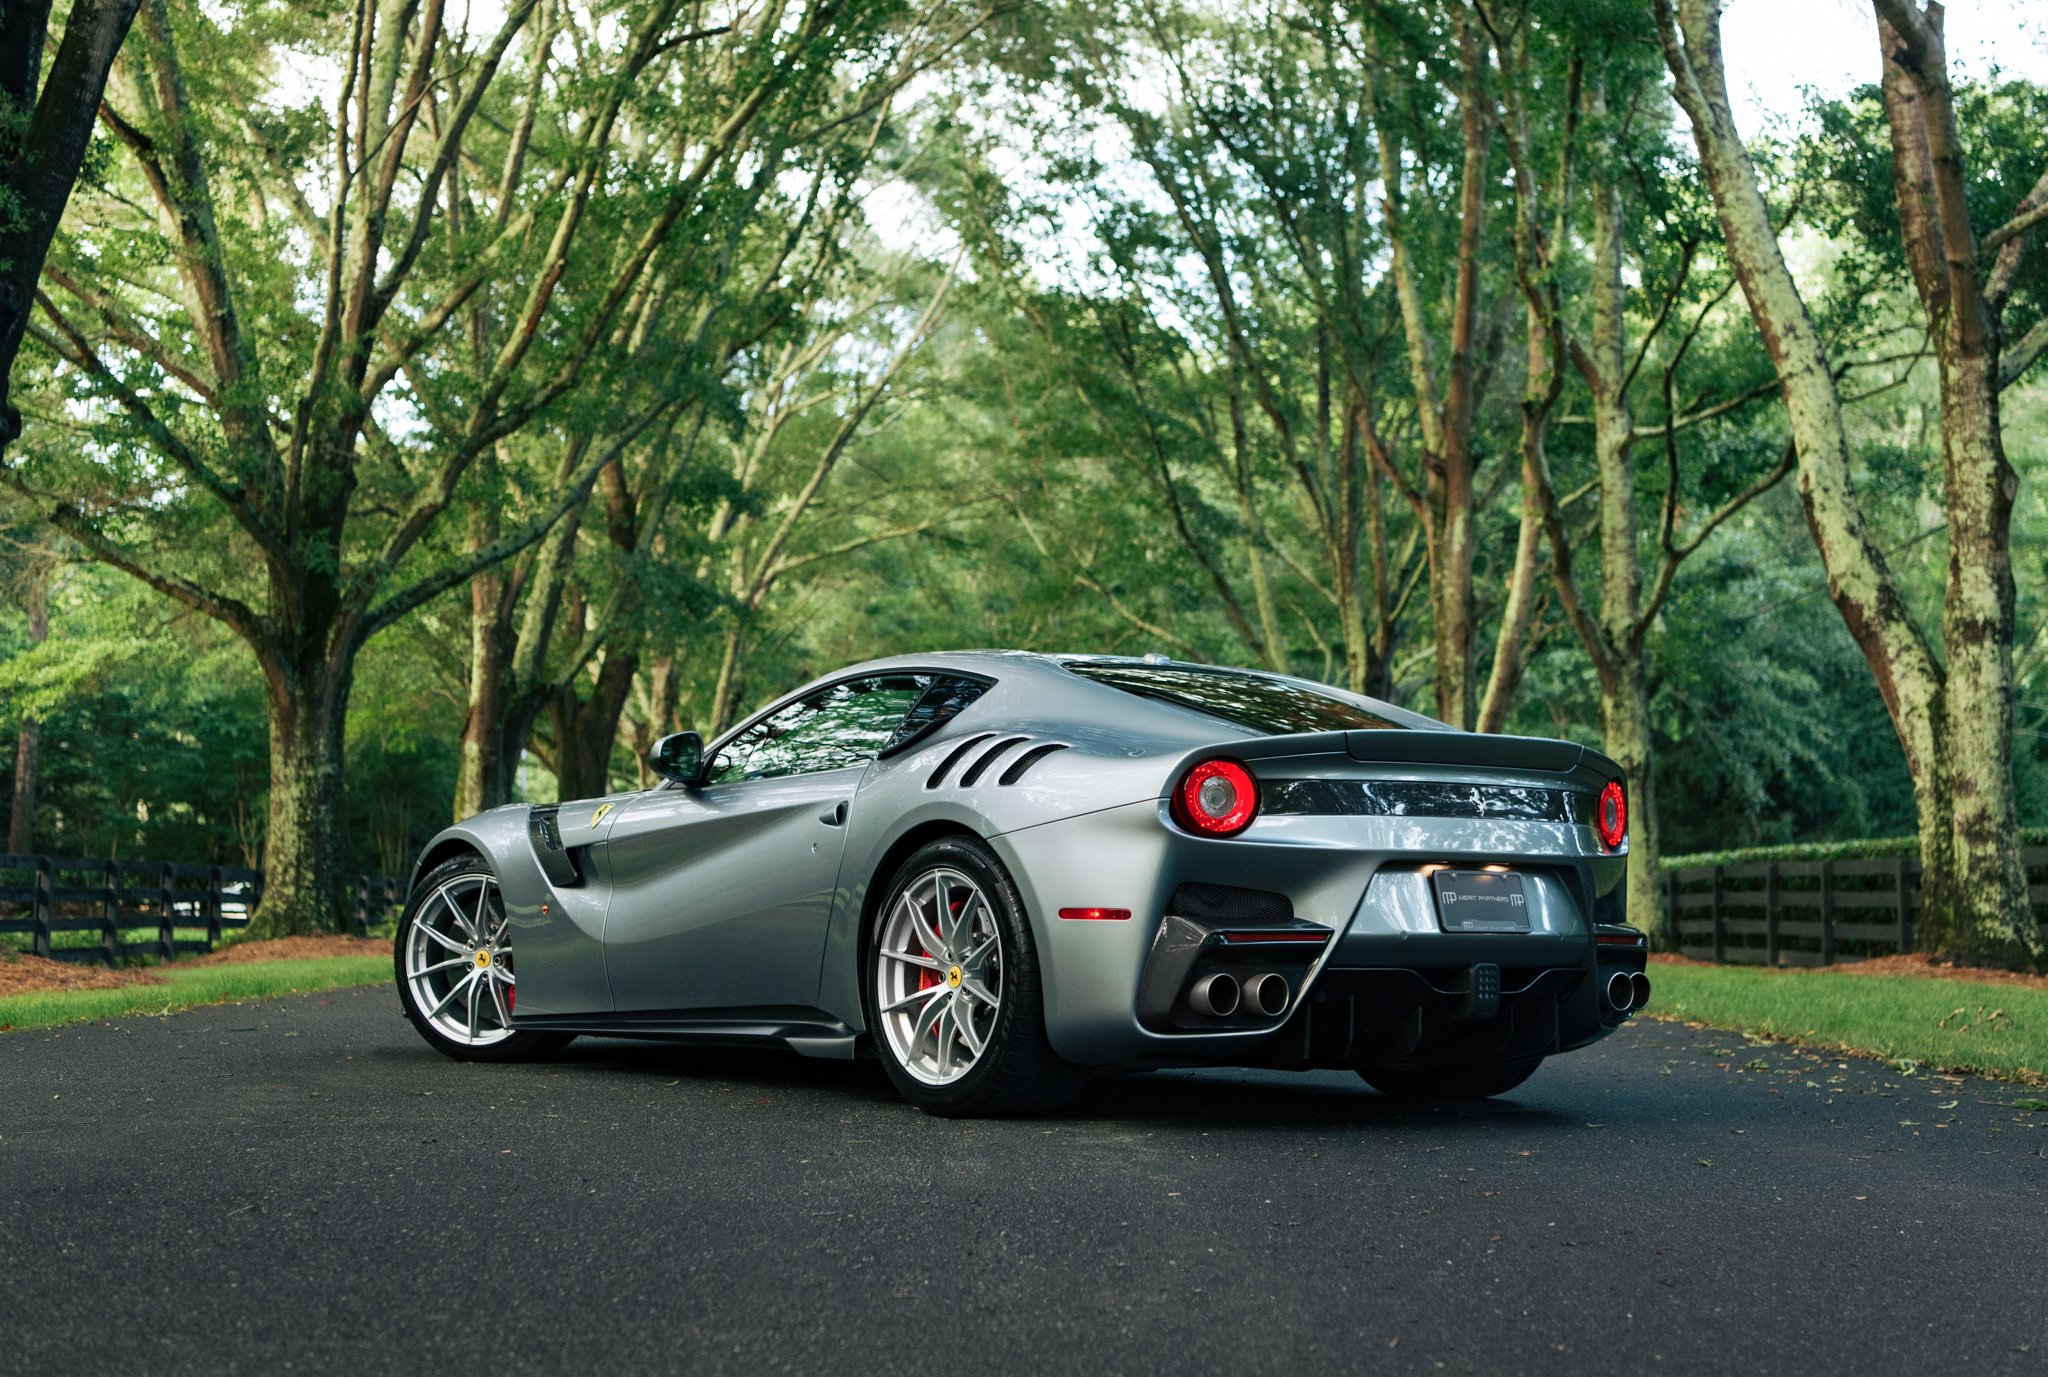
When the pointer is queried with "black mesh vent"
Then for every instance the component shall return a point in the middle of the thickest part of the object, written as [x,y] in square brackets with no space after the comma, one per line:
[1229,904]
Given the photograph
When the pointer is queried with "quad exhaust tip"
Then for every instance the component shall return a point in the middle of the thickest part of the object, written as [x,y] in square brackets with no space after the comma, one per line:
[1621,991]
[1640,984]
[1266,995]
[1215,995]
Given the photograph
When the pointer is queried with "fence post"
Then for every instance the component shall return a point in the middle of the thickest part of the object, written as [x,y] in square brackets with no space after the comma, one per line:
[1907,900]
[166,936]
[1827,913]
[213,883]
[1904,903]
[1771,915]
[45,906]
[362,905]
[110,913]
[1671,891]
[1720,934]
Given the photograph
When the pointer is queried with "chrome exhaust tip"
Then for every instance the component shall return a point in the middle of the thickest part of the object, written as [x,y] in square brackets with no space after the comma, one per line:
[1215,995]
[1620,992]
[1267,995]
[1640,984]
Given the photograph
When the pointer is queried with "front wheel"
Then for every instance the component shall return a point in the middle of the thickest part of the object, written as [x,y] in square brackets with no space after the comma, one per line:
[1450,1082]
[956,1007]
[456,979]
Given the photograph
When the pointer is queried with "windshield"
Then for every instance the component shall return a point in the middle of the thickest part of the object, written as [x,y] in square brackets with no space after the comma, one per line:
[1271,707]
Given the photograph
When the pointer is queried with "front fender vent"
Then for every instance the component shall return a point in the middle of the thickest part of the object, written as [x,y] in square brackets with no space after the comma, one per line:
[1028,759]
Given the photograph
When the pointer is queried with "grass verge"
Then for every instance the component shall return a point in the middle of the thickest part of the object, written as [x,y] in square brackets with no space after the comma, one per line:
[186,987]
[1949,1025]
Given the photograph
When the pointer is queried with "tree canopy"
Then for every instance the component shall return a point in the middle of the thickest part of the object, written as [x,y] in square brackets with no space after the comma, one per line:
[429,406]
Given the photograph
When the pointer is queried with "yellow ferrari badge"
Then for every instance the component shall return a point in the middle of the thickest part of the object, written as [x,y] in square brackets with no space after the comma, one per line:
[598,816]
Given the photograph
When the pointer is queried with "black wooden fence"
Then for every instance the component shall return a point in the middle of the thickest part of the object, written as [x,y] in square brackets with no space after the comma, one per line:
[1807,913]
[182,908]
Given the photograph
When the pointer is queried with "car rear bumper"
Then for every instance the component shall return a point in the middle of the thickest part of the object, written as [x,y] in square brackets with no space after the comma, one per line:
[1387,987]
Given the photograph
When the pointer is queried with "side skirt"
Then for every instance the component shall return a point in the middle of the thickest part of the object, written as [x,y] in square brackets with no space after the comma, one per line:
[808,1032]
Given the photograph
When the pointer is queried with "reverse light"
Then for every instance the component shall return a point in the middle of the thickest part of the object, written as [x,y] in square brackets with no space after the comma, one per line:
[1109,915]
[1610,816]
[1216,798]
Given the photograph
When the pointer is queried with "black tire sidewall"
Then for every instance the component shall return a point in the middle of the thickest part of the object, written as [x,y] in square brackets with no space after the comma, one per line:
[1019,1031]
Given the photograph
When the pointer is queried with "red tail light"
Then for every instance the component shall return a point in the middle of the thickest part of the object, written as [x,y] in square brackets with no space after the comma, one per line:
[1217,798]
[1610,816]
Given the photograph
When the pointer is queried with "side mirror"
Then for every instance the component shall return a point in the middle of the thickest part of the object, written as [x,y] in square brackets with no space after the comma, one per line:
[678,758]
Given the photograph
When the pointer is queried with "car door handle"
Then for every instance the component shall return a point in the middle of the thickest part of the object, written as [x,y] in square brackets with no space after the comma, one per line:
[836,817]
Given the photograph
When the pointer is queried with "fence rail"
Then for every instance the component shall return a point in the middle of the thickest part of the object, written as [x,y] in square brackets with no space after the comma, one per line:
[1808,913]
[183,907]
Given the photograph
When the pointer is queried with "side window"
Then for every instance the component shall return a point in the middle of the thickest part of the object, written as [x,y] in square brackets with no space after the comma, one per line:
[831,729]
[939,704]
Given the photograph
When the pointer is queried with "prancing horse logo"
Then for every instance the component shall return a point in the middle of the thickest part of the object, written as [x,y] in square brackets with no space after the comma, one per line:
[598,816]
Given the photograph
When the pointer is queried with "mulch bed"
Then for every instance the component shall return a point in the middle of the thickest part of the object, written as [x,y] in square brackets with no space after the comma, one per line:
[23,974]
[1912,963]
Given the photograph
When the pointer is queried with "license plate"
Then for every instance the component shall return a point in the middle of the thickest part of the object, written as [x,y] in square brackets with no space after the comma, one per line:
[1480,901]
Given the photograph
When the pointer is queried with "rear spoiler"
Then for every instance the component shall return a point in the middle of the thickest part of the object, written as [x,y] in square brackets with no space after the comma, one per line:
[1406,746]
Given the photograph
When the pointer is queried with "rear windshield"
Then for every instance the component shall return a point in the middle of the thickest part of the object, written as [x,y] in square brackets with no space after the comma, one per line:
[1270,707]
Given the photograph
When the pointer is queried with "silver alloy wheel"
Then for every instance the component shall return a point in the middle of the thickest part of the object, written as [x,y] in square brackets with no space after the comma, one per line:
[939,976]
[458,962]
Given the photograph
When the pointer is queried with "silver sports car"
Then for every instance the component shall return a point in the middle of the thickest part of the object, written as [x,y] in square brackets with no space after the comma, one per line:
[998,871]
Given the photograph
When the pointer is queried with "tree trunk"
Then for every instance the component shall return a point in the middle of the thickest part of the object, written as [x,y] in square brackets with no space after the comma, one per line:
[1625,729]
[302,881]
[39,160]
[586,729]
[1988,904]
[1994,919]
[21,821]
[483,771]
[1859,579]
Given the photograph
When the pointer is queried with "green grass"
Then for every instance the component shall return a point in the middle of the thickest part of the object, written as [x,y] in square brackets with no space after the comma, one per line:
[1951,1025]
[189,986]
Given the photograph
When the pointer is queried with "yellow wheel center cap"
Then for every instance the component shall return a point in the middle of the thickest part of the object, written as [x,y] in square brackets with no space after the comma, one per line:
[954,976]
[483,958]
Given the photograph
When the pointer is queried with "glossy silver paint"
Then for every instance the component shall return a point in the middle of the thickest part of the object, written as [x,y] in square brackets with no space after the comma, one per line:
[740,910]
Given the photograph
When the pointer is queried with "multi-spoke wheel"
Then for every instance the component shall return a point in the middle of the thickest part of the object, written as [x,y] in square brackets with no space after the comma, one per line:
[456,976]
[940,977]
[957,1011]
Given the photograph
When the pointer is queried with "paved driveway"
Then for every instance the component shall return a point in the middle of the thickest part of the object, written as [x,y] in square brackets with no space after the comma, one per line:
[301,1185]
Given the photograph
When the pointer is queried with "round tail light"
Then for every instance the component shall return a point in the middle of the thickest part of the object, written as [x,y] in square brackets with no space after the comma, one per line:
[1216,798]
[1610,816]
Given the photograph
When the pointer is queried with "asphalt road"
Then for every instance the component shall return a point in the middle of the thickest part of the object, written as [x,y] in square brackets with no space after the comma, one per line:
[302,1185]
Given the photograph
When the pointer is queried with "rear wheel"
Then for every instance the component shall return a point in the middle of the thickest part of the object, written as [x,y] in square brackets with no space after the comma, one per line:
[954,999]
[456,977]
[1475,1082]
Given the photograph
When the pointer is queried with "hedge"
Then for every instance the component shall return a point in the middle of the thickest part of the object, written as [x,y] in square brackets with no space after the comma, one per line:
[1857,849]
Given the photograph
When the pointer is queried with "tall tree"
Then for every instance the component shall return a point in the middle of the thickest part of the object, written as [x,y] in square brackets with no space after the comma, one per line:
[1954,719]
[304,373]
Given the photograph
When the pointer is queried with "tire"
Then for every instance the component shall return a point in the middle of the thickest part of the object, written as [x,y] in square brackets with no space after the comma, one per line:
[929,998]
[437,959]
[1475,1082]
